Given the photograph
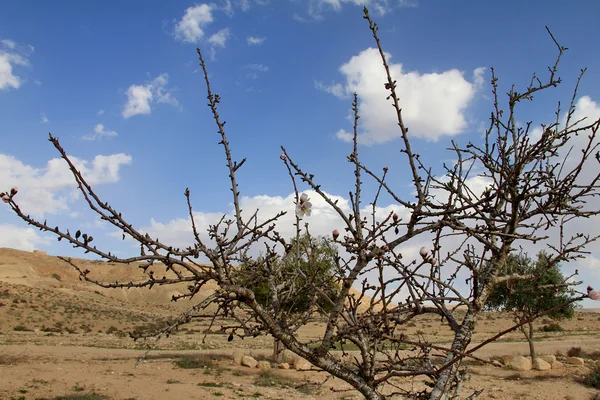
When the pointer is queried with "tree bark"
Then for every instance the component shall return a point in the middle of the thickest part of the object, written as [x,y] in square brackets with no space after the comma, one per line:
[277,351]
[462,338]
[530,340]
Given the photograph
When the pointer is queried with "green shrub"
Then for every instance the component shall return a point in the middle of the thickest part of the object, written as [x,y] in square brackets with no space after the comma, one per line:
[21,328]
[593,378]
[575,352]
[553,327]
[194,362]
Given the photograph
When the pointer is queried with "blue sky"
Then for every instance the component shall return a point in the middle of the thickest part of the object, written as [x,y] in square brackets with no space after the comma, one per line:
[119,84]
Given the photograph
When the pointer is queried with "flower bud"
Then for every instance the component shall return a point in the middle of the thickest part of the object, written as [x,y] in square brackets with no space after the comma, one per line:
[303,198]
[433,261]
[335,234]
[423,252]
[395,217]
[385,169]
[283,157]
[5,198]
[14,191]
[593,294]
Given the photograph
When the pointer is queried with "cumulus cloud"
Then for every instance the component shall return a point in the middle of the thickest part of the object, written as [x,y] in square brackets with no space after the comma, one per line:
[254,70]
[12,56]
[20,238]
[323,219]
[433,104]
[191,26]
[99,132]
[254,40]
[50,189]
[140,97]
[316,8]
[219,39]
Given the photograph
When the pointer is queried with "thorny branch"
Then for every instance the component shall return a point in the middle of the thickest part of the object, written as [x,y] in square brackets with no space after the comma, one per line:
[536,190]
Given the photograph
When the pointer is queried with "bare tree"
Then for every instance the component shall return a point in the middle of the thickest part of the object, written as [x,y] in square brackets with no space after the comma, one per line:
[535,192]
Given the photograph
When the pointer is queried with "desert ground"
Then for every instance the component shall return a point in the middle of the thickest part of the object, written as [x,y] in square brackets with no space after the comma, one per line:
[61,338]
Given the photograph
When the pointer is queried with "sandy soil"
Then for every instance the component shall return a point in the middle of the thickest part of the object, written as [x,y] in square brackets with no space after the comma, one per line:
[61,337]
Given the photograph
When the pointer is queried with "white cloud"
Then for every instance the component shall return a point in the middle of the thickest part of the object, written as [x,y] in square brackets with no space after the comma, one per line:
[99,132]
[20,238]
[254,40]
[140,97]
[8,43]
[191,26]
[255,70]
[49,190]
[335,89]
[322,221]
[433,104]
[244,4]
[100,112]
[44,119]
[8,61]
[257,67]
[316,8]
[478,77]
[219,39]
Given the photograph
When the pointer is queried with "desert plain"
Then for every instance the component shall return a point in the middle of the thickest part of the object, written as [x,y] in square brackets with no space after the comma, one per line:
[61,338]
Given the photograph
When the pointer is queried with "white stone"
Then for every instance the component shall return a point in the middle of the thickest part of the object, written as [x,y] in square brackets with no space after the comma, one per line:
[541,365]
[248,361]
[575,361]
[520,363]
[302,365]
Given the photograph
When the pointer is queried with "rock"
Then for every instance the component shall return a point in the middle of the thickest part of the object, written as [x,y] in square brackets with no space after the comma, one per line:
[248,361]
[288,357]
[263,365]
[302,365]
[284,366]
[557,365]
[541,365]
[575,361]
[237,358]
[549,358]
[506,360]
[497,363]
[520,363]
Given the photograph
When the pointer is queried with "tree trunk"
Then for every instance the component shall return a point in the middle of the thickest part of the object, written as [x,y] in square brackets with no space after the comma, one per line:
[277,351]
[448,378]
[530,340]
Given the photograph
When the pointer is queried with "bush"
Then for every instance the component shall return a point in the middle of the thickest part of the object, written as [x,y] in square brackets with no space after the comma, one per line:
[56,276]
[21,328]
[575,352]
[553,327]
[593,378]
[194,362]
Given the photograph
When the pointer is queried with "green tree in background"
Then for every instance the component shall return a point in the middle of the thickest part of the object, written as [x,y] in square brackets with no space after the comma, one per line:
[527,297]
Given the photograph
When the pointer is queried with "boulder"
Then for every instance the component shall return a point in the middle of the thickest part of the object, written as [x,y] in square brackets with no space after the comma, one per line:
[520,363]
[263,365]
[575,361]
[506,360]
[284,366]
[248,361]
[237,358]
[557,365]
[288,357]
[541,365]
[549,358]
[302,365]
